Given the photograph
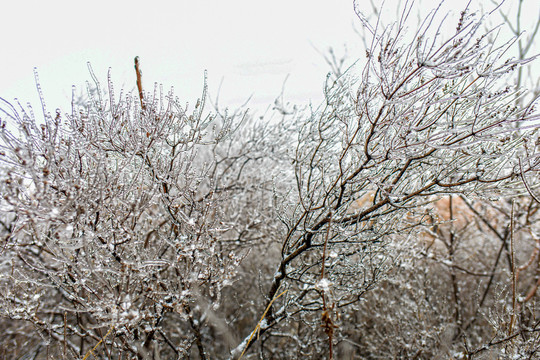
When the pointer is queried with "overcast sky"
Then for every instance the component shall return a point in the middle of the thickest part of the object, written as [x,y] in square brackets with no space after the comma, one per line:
[248,46]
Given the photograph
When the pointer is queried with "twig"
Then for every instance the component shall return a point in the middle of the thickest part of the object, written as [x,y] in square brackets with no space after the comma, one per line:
[328,324]
[139,82]
[514,273]
[91,352]
[65,333]
[502,341]
[196,331]
[258,327]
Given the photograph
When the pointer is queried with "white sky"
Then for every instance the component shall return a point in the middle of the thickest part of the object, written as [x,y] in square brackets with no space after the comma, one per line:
[251,46]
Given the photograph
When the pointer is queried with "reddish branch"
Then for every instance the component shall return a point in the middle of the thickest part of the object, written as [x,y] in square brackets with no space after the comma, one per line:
[139,81]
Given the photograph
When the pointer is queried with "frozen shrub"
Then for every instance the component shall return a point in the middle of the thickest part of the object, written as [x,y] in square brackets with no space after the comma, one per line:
[372,226]
[113,223]
[418,119]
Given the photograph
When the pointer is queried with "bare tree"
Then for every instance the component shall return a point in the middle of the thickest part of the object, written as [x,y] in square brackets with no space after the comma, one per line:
[429,118]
